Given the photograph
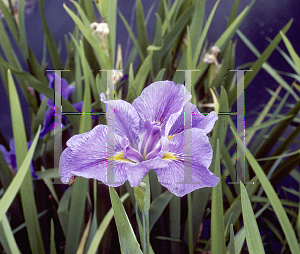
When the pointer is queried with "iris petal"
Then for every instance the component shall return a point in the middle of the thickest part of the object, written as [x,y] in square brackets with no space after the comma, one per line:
[160,100]
[130,153]
[137,171]
[199,121]
[125,119]
[195,157]
[86,156]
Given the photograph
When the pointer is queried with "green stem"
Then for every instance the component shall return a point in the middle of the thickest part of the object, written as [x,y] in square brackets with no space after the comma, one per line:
[146,247]
[190,224]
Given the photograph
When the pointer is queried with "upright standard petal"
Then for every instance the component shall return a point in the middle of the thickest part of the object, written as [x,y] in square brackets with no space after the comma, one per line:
[160,100]
[86,156]
[125,119]
[195,158]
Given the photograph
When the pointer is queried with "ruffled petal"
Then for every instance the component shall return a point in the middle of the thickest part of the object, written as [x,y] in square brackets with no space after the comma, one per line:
[137,171]
[199,121]
[207,122]
[195,157]
[86,156]
[173,178]
[160,100]
[125,118]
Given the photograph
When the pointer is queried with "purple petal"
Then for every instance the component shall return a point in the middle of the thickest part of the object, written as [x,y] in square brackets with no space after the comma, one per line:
[10,157]
[66,90]
[137,171]
[125,118]
[129,152]
[199,121]
[150,138]
[207,122]
[86,156]
[197,159]
[78,106]
[48,124]
[173,178]
[160,100]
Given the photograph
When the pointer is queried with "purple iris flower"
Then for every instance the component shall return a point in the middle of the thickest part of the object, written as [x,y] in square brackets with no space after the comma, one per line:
[149,134]
[66,91]
[10,157]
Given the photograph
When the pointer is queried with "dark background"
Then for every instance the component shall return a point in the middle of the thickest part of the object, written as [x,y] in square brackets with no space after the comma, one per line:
[265,19]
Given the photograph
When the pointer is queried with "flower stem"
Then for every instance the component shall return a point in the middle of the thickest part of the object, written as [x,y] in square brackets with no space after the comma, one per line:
[146,247]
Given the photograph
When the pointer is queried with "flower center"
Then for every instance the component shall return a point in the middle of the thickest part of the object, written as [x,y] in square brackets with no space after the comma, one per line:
[150,141]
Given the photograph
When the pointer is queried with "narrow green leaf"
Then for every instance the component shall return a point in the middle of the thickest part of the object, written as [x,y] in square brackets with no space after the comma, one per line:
[52,239]
[127,238]
[157,207]
[76,214]
[10,21]
[277,132]
[253,238]
[26,190]
[239,240]
[220,128]
[157,41]
[63,209]
[5,173]
[140,79]
[112,22]
[176,30]
[134,40]
[231,246]
[264,56]
[35,68]
[86,120]
[160,75]
[87,33]
[274,200]
[40,87]
[217,217]
[141,27]
[200,41]
[7,48]
[189,55]
[89,9]
[233,12]
[52,49]
[175,225]
[273,73]
[291,50]
[22,32]
[199,202]
[7,238]
[102,228]
[230,31]
[196,24]
[14,187]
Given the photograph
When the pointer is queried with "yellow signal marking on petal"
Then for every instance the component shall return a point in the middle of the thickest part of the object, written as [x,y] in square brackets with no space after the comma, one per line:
[171,137]
[169,156]
[119,157]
